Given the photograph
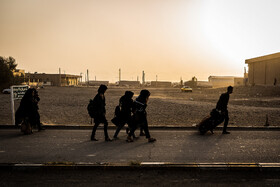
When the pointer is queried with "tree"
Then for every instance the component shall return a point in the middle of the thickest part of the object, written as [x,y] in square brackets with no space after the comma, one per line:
[11,62]
[7,65]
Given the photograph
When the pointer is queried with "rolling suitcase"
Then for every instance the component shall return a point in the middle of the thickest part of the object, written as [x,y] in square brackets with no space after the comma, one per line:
[210,122]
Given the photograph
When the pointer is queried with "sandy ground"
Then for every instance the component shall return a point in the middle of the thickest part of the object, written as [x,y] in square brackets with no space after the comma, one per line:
[248,106]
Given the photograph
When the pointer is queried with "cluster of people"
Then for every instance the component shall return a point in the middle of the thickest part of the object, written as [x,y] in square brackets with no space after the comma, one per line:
[27,114]
[128,112]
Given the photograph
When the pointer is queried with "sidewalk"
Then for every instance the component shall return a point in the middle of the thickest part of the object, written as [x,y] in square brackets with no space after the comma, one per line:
[180,157]
[173,147]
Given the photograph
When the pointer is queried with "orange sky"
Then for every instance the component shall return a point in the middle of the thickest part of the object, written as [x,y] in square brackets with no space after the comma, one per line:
[167,38]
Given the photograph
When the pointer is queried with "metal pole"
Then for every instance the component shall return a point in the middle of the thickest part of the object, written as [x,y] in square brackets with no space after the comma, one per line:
[12,106]
[143,77]
[59,77]
[87,78]
[120,75]
[156,80]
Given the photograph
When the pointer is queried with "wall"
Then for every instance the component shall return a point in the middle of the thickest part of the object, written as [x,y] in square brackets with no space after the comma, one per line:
[264,72]
[161,84]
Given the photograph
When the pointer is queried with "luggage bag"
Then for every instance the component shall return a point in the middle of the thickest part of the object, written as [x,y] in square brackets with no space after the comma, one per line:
[210,122]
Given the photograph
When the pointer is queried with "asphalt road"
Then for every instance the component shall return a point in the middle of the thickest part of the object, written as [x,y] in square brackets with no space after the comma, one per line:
[136,177]
[175,146]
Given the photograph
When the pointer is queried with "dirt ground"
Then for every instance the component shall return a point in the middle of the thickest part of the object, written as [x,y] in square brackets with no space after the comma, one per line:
[248,106]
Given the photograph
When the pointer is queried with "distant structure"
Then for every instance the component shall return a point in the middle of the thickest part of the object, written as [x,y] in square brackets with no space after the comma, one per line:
[87,76]
[35,79]
[97,83]
[264,70]
[192,83]
[224,81]
[245,77]
[129,83]
[120,74]
[143,77]
[204,84]
[239,81]
[19,73]
[161,84]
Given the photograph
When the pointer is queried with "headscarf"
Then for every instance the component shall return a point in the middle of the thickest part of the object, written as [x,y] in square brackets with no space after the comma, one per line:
[129,94]
[144,94]
[102,88]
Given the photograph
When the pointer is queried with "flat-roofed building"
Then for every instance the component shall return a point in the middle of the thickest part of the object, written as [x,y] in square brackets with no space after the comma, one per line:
[225,81]
[161,84]
[204,84]
[97,83]
[221,81]
[264,70]
[239,81]
[19,72]
[52,79]
[129,83]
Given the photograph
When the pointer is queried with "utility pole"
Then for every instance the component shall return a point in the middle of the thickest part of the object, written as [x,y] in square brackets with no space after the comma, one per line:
[81,78]
[59,77]
[143,77]
[87,78]
[120,75]
[156,80]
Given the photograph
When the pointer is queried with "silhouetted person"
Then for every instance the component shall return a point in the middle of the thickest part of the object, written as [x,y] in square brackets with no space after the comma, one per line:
[100,113]
[28,111]
[37,121]
[139,117]
[275,82]
[125,104]
[222,106]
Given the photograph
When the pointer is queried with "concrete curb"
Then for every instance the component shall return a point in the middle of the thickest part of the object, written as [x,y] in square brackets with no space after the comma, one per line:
[259,167]
[87,127]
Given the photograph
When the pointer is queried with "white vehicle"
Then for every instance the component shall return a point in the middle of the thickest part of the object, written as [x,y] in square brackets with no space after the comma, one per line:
[6,91]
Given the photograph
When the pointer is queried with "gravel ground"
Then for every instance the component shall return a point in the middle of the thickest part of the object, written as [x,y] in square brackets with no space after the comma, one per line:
[248,106]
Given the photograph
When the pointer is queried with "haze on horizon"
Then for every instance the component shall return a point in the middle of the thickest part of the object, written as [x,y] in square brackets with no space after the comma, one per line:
[167,38]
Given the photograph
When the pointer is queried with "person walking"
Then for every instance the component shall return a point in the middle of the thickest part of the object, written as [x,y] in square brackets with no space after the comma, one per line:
[100,113]
[139,117]
[222,106]
[124,116]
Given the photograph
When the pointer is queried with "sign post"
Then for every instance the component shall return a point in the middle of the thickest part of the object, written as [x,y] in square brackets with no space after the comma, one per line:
[17,92]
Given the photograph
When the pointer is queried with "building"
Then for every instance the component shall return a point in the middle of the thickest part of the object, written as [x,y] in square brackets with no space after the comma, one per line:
[239,81]
[19,73]
[97,83]
[161,84]
[264,70]
[204,84]
[225,81]
[221,81]
[52,79]
[129,83]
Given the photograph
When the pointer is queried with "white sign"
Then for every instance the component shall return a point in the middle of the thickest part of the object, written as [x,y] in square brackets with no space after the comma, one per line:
[17,92]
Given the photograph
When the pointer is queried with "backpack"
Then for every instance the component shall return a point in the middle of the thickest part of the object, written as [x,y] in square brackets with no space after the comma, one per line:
[91,108]
[117,111]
